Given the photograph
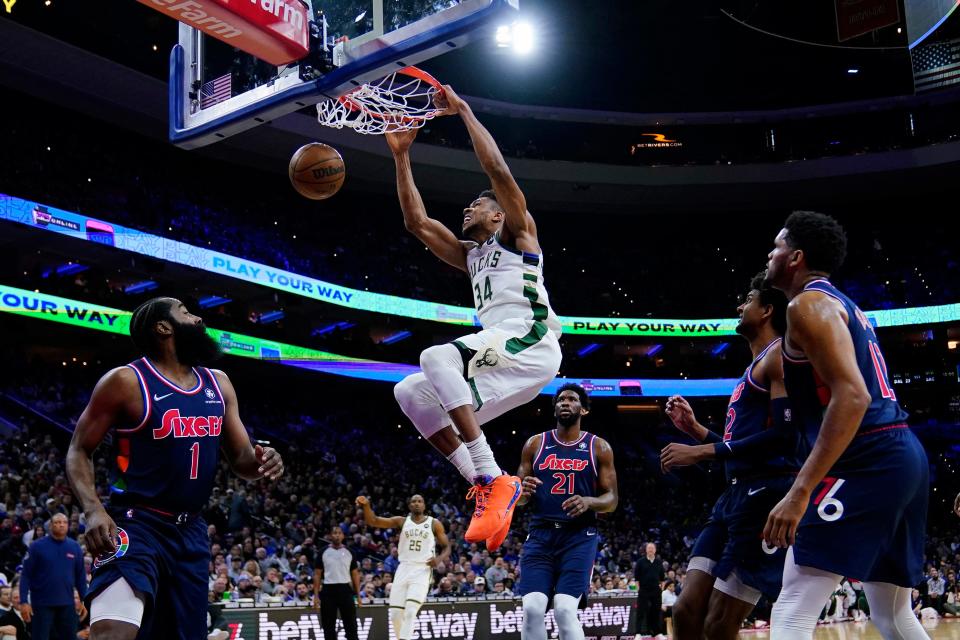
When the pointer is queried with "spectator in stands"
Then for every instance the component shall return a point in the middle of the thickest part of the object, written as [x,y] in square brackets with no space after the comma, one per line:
[496,573]
[52,570]
[12,624]
[444,589]
[392,563]
[667,599]
[936,588]
[479,586]
[302,598]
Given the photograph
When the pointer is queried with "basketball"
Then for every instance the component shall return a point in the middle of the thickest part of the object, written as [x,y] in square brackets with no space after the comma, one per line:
[316,171]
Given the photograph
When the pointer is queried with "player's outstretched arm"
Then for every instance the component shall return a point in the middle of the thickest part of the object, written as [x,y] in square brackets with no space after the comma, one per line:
[683,418]
[519,229]
[438,238]
[247,461]
[525,471]
[443,543]
[818,327]
[373,519]
[608,493]
[111,403]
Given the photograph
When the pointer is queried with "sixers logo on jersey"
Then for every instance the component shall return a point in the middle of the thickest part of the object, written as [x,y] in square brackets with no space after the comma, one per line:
[553,463]
[179,426]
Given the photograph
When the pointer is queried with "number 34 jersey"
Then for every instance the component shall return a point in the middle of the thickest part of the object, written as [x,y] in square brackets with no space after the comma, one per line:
[508,285]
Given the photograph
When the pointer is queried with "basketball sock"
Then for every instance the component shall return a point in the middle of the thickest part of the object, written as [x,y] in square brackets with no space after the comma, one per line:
[804,592]
[463,462]
[565,613]
[443,367]
[534,610]
[482,456]
[890,611]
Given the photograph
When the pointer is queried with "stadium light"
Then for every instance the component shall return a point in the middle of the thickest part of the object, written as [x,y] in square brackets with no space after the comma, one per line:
[518,36]
[523,38]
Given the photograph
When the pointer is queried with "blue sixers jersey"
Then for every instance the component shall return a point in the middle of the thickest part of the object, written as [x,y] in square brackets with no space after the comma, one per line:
[749,414]
[809,396]
[169,461]
[566,469]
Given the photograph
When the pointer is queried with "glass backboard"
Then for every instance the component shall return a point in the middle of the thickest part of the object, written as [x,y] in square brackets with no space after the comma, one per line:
[217,90]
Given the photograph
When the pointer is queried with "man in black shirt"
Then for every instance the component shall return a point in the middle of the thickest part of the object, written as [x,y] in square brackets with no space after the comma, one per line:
[650,578]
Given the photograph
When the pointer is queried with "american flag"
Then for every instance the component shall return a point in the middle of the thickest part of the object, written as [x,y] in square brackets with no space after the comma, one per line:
[936,65]
[217,90]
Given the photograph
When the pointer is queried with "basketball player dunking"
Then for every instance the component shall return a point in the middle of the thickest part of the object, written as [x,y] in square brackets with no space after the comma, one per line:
[170,420]
[478,377]
[569,477]
[858,507]
[420,535]
[730,565]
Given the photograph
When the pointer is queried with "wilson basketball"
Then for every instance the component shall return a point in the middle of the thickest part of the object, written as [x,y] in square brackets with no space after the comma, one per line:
[316,171]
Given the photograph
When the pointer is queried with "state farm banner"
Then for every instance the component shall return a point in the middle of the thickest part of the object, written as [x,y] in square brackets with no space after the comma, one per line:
[612,618]
[273,30]
[857,17]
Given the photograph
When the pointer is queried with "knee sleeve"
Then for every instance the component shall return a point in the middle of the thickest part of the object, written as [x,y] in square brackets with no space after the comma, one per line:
[534,610]
[890,611]
[565,612]
[419,402]
[801,600]
[117,602]
[443,367]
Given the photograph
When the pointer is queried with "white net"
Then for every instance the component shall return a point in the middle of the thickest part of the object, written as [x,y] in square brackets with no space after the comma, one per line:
[398,102]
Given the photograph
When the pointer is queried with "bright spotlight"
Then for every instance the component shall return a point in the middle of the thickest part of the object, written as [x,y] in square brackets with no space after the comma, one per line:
[503,36]
[523,38]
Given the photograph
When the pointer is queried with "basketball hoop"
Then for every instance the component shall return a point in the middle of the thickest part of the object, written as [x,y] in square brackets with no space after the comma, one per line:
[403,100]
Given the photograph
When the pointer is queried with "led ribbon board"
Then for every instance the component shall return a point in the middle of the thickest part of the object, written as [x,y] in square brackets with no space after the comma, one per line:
[38,216]
[41,306]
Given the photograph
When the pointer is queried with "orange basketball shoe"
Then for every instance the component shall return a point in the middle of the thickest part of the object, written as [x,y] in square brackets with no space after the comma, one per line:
[495,501]
[493,543]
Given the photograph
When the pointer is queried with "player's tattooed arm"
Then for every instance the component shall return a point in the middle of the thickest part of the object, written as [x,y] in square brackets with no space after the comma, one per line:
[818,326]
[373,519]
[116,400]
[247,461]
[519,229]
[609,493]
[525,471]
[435,235]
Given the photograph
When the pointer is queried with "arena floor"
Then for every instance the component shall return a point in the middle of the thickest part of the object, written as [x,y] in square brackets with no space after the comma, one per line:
[943,629]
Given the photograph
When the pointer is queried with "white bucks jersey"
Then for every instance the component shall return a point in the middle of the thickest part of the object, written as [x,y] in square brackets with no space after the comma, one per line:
[508,285]
[417,542]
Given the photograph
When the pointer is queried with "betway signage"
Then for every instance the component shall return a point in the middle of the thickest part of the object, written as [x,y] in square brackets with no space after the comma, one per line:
[602,619]
[273,30]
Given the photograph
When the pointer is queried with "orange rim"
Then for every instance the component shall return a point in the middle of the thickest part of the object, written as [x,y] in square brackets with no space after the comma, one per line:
[413,72]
